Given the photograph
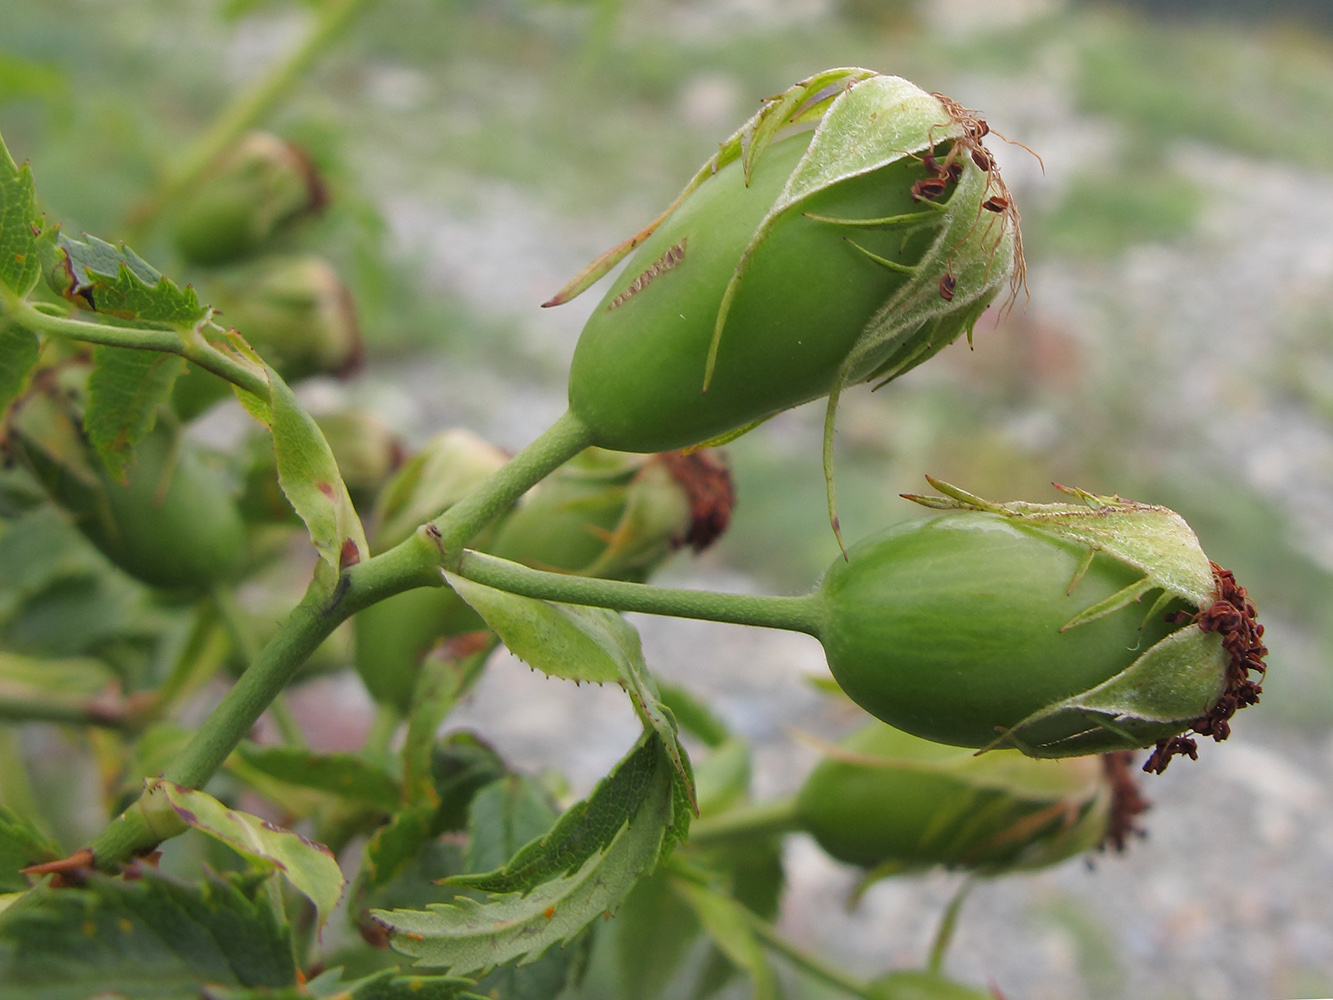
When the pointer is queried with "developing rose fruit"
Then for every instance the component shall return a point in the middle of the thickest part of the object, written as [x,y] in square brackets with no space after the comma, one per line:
[395,635]
[886,799]
[295,311]
[1024,625]
[618,516]
[258,189]
[172,523]
[797,262]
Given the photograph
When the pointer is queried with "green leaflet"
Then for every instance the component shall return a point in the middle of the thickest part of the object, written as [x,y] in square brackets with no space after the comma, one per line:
[18,357]
[344,774]
[439,685]
[124,391]
[74,684]
[557,885]
[152,939]
[387,984]
[727,924]
[506,815]
[21,845]
[308,866]
[310,478]
[115,281]
[579,644]
[20,266]
[586,828]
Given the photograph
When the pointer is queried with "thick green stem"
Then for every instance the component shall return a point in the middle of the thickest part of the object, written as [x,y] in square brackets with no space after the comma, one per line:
[413,563]
[243,640]
[796,614]
[751,820]
[250,108]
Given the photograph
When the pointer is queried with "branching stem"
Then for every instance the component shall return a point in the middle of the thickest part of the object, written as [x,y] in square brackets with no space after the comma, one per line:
[413,563]
[194,349]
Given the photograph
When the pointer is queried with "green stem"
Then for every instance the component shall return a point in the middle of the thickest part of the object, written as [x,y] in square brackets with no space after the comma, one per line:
[811,965]
[948,923]
[460,523]
[242,638]
[249,109]
[797,614]
[195,349]
[413,563]
[379,740]
[750,820]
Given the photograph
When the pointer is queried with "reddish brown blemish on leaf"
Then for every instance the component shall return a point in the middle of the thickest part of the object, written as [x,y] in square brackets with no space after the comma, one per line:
[710,491]
[656,269]
[185,814]
[459,647]
[373,932]
[328,490]
[349,556]
[1232,615]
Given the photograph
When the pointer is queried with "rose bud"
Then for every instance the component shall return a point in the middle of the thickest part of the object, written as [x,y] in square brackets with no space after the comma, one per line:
[257,190]
[886,800]
[296,312]
[1024,625]
[617,516]
[847,232]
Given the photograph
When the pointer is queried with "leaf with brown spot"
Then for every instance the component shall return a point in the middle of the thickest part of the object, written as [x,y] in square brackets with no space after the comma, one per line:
[308,866]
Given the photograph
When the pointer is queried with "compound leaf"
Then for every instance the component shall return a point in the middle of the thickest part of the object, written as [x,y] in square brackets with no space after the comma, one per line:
[555,886]
[152,939]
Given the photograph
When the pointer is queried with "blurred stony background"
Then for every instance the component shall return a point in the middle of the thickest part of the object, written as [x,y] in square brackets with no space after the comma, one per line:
[1177,348]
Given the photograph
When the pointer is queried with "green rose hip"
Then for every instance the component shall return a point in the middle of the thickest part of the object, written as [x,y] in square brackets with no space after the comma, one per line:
[886,799]
[1024,625]
[798,262]
[172,523]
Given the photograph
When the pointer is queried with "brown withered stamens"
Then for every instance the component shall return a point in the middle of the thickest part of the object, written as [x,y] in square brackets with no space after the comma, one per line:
[1233,615]
[712,495]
